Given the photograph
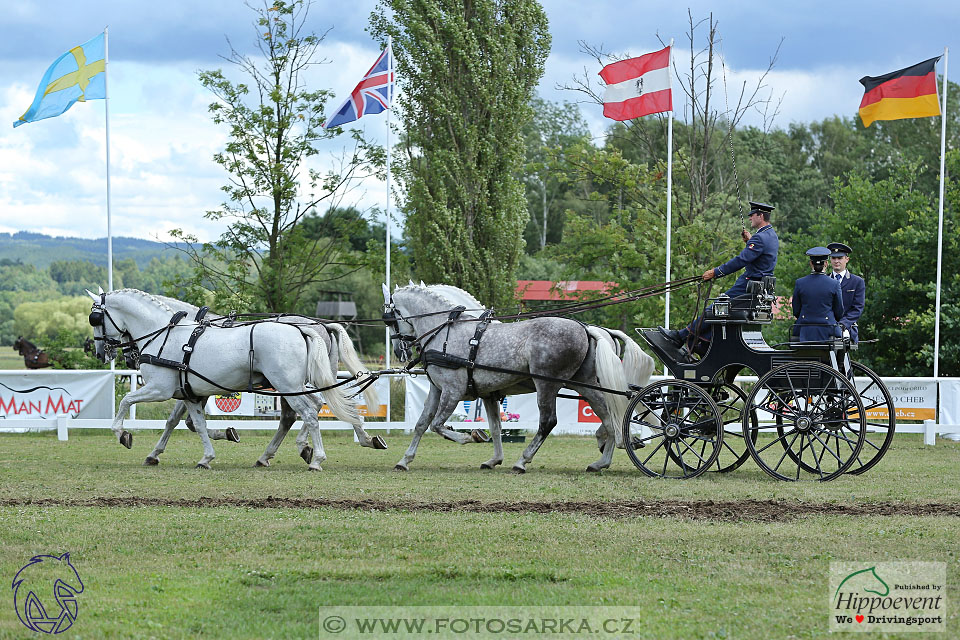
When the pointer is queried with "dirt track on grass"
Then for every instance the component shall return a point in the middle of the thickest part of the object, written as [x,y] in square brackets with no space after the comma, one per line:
[727,511]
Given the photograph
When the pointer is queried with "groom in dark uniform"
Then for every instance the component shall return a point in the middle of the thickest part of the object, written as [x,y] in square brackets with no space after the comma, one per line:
[852,287]
[817,305]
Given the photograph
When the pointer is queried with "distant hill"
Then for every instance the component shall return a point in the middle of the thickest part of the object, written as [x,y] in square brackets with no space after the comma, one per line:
[40,250]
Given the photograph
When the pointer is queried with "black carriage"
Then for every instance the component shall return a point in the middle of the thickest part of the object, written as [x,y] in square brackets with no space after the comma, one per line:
[813,413]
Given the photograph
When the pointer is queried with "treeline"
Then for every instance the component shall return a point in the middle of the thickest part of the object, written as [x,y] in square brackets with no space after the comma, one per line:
[597,212]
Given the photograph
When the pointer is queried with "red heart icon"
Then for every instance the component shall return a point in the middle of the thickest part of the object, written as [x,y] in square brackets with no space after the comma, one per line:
[859,618]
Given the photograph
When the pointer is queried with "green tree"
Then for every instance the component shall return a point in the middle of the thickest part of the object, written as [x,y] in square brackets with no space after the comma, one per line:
[553,129]
[42,321]
[468,69]
[264,260]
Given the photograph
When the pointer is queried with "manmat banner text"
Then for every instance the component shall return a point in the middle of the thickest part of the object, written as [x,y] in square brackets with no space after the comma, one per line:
[78,394]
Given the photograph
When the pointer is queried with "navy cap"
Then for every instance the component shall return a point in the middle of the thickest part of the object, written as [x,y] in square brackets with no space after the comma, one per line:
[818,253]
[839,250]
[759,207]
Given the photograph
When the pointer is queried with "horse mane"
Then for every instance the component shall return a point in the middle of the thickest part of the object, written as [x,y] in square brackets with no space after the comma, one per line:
[148,296]
[457,291]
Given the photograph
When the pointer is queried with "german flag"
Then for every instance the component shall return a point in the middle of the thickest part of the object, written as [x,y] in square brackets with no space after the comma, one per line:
[907,93]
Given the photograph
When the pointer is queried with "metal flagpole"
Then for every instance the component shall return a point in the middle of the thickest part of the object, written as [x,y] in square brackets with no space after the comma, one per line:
[666,311]
[106,102]
[943,142]
[666,305]
[389,109]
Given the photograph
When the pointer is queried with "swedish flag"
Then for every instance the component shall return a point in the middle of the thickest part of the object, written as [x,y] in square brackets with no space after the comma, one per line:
[76,76]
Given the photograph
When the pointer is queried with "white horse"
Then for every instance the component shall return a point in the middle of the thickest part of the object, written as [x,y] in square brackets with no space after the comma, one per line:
[274,354]
[339,349]
[542,355]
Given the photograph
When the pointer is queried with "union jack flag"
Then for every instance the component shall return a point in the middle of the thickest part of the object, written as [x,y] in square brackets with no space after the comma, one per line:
[374,94]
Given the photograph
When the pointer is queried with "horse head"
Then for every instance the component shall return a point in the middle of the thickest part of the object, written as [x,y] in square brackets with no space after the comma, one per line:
[32,593]
[18,345]
[118,315]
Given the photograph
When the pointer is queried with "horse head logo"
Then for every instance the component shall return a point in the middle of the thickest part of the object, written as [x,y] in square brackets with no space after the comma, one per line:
[865,580]
[45,593]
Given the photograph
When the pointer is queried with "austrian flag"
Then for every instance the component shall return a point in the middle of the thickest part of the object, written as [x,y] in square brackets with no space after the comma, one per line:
[638,86]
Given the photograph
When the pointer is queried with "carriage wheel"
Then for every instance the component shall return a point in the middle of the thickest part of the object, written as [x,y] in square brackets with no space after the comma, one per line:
[671,430]
[731,400]
[819,422]
[880,430]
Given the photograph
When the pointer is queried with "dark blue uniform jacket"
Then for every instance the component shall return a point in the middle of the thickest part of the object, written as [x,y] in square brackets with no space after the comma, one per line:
[817,305]
[853,290]
[757,260]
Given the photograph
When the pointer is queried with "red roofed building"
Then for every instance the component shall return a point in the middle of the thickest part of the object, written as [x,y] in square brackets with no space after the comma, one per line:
[547,290]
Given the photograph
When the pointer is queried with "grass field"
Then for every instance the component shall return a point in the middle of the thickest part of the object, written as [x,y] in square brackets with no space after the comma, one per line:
[239,552]
[10,359]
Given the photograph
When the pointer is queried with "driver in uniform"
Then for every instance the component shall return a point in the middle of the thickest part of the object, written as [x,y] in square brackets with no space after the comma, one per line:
[757,260]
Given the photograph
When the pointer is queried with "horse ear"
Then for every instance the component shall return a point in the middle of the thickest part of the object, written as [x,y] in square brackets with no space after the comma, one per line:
[96,298]
[410,283]
[386,293]
[422,285]
[99,289]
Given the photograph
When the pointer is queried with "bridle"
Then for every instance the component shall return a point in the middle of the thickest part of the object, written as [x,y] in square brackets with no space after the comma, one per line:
[96,319]
[403,344]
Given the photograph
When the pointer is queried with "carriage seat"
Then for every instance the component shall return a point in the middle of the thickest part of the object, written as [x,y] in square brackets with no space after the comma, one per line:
[755,306]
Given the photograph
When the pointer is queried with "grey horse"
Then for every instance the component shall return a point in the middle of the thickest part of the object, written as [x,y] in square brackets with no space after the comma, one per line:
[339,349]
[283,356]
[542,355]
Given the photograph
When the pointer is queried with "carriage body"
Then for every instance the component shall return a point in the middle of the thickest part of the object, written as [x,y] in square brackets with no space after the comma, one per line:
[813,412]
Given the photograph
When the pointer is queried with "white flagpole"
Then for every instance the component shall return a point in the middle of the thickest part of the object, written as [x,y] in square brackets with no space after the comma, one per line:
[389,109]
[666,303]
[106,102]
[666,310]
[943,142]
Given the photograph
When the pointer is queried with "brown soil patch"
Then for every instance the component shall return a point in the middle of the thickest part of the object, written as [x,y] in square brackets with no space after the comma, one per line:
[728,511]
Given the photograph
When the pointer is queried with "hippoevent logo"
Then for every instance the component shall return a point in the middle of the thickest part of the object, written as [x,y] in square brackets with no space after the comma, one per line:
[888,596]
[37,402]
[45,593]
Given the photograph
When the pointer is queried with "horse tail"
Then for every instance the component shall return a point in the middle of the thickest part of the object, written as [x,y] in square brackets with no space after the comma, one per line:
[350,359]
[321,375]
[637,364]
[610,373]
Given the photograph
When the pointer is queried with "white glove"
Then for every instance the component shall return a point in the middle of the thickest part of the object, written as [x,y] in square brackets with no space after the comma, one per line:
[846,333]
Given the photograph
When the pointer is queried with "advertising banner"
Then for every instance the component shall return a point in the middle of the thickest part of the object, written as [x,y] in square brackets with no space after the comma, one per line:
[914,399]
[263,406]
[48,394]
[573,415]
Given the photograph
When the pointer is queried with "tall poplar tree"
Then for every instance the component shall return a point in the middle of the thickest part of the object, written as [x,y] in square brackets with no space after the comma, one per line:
[468,69]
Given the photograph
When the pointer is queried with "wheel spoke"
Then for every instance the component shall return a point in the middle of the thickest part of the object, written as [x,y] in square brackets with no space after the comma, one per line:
[655,449]
[827,448]
[690,449]
[785,449]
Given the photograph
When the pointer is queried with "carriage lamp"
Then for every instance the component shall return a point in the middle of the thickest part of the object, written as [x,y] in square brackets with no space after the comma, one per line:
[721,306]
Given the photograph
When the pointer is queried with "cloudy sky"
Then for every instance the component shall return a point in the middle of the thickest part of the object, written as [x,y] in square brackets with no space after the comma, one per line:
[52,172]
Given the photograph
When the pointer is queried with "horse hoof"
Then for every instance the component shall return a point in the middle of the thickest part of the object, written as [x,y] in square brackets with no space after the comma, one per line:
[486,465]
[203,465]
[126,439]
[479,435]
[151,462]
[399,467]
[261,463]
[379,443]
[307,454]
[593,469]
[314,469]
[232,435]
[519,470]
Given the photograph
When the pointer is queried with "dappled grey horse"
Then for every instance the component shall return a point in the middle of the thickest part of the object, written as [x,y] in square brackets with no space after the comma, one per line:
[540,355]
[339,349]
[282,356]
[637,365]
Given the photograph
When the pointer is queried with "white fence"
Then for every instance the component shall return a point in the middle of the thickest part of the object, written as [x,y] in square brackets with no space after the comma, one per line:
[56,399]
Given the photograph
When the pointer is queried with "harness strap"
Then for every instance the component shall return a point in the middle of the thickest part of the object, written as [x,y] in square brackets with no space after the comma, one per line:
[185,387]
[202,311]
[485,318]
